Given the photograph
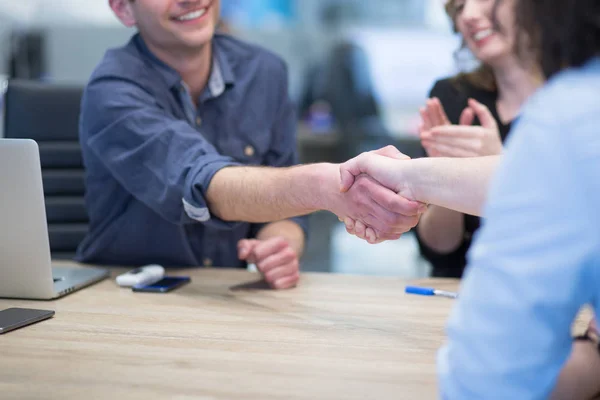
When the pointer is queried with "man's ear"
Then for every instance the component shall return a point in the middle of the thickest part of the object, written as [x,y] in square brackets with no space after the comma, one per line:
[123,11]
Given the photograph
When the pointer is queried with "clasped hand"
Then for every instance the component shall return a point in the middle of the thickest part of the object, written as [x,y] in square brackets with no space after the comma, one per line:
[383,210]
[440,139]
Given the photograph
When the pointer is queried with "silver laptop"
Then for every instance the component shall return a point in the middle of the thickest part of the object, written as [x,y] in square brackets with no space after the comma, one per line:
[25,264]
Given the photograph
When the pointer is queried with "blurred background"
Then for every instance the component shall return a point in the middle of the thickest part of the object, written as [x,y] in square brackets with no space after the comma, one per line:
[359,70]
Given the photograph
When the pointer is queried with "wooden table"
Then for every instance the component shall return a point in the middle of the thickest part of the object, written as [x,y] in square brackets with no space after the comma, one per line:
[225,337]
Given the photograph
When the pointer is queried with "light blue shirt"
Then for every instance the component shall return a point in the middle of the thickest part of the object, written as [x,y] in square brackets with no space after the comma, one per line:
[536,261]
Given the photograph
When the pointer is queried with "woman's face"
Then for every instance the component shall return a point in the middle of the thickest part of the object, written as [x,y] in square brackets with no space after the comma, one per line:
[473,19]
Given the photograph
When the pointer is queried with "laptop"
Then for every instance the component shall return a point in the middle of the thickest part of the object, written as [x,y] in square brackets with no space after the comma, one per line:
[25,264]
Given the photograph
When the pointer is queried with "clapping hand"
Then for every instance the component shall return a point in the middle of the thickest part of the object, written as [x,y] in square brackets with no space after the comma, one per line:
[442,139]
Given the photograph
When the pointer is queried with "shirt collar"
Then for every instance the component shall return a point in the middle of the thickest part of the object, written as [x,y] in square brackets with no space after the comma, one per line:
[169,74]
[221,76]
[216,82]
[224,62]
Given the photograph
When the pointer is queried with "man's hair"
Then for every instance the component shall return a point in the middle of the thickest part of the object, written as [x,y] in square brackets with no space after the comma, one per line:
[481,77]
[558,33]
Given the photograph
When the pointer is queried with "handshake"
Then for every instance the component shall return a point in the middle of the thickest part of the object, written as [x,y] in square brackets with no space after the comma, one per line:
[386,194]
[377,202]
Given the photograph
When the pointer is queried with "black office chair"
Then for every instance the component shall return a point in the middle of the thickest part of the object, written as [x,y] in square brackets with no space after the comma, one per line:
[49,114]
[351,92]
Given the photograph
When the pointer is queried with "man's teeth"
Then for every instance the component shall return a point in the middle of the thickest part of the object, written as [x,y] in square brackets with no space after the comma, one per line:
[483,34]
[192,15]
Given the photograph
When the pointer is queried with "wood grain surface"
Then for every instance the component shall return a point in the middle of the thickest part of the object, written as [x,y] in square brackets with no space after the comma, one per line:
[226,336]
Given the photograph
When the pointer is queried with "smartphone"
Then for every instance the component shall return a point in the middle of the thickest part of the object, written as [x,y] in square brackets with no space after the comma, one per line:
[14,318]
[166,284]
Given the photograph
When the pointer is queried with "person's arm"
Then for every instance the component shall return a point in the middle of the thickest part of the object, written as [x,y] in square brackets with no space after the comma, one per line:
[280,193]
[160,160]
[532,268]
[440,231]
[283,152]
[276,248]
[170,167]
[286,229]
[276,252]
[580,377]
[456,184]
[276,193]
[270,193]
[446,182]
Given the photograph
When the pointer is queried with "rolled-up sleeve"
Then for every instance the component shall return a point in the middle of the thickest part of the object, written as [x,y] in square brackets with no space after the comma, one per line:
[530,270]
[160,160]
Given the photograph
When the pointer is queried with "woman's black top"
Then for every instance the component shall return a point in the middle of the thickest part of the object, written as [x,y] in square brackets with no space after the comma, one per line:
[454,94]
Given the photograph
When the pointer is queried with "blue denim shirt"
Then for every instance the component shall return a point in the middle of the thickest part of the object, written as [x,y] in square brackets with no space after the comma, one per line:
[150,154]
[536,261]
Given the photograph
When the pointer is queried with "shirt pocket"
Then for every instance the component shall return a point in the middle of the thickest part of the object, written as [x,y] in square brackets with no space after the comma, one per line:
[248,150]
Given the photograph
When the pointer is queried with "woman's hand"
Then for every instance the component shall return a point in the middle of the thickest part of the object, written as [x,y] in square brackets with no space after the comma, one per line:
[442,139]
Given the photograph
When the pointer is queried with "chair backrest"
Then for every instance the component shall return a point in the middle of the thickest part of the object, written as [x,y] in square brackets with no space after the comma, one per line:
[350,91]
[49,114]
[349,86]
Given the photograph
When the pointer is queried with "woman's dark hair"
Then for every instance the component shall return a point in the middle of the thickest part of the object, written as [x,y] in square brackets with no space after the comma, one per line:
[558,33]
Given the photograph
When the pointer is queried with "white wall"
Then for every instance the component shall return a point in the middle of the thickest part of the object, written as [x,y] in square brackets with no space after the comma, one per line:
[5,27]
[4,47]
[73,52]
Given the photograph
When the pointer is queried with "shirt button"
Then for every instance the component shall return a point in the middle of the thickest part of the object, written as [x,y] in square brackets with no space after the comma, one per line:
[208,262]
[249,151]
[198,121]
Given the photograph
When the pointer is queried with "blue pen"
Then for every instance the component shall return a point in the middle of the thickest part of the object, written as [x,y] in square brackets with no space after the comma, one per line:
[424,291]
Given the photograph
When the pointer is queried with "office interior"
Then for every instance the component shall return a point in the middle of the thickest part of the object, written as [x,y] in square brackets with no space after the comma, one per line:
[388,54]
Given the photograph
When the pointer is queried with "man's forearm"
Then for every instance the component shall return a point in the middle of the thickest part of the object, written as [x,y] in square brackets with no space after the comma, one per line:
[459,184]
[287,229]
[265,194]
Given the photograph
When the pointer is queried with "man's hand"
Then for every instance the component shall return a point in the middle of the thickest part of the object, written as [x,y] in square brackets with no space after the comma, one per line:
[441,139]
[382,168]
[275,259]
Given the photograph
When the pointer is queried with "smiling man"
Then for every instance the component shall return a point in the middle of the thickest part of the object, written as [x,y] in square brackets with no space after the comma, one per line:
[181,130]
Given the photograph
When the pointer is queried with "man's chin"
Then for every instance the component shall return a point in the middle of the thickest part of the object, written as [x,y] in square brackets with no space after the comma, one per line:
[197,39]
